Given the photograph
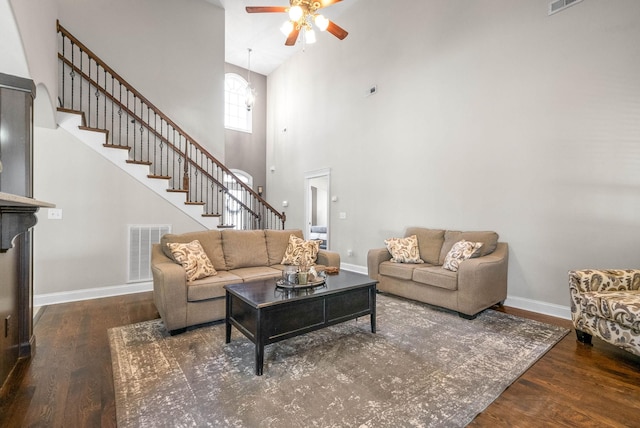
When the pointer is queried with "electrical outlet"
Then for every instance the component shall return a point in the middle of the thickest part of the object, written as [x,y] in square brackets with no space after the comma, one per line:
[342,216]
[55,214]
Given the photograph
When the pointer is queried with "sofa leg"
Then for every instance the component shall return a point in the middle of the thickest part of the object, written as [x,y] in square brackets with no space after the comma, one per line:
[583,337]
[467,317]
[177,331]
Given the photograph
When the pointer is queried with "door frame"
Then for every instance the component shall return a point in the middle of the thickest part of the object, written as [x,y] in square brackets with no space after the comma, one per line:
[308,176]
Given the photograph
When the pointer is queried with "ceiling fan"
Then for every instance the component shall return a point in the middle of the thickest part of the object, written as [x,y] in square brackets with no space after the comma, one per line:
[301,14]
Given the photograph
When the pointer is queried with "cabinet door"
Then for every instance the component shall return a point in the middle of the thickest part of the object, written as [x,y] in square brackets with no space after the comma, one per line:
[9,341]
[15,142]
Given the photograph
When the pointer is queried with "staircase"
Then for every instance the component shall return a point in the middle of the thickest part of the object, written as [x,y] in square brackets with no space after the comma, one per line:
[110,116]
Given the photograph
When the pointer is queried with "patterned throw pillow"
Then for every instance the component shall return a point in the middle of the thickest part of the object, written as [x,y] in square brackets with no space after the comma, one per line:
[300,252]
[193,259]
[461,250]
[404,250]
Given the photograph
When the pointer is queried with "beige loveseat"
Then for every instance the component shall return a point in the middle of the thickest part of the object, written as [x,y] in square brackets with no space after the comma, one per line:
[480,282]
[237,256]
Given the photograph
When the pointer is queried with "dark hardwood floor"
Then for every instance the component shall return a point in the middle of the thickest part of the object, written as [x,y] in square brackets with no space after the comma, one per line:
[68,383]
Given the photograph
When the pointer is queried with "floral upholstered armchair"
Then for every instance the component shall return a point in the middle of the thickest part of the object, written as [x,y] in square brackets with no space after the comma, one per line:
[606,304]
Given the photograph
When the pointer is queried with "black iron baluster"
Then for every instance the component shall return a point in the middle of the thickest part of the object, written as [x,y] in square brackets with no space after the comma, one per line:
[73,75]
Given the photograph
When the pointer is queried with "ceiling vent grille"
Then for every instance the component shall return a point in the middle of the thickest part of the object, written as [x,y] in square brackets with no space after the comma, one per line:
[559,5]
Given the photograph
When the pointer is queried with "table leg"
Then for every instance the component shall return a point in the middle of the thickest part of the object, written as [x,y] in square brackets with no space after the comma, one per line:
[372,293]
[259,345]
[227,318]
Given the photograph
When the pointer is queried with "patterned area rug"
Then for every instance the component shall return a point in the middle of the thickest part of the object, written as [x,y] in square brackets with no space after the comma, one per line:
[424,367]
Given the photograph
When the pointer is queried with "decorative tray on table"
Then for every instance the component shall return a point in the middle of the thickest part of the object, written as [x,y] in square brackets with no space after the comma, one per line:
[281,283]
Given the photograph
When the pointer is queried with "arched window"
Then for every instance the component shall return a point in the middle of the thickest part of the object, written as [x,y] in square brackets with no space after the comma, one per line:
[236,115]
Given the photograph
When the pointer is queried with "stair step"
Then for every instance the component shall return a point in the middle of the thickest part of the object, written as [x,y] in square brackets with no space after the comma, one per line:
[161,177]
[211,215]
[194,203]
[136,162]
[114,146]
[88,128]
[177,191]
[226,226]
[80,113]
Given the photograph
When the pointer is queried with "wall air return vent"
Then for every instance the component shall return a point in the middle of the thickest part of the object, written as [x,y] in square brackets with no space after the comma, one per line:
[141,238]
[559,5]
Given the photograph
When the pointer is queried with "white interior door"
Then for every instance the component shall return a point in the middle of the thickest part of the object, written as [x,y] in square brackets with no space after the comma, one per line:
[317,205]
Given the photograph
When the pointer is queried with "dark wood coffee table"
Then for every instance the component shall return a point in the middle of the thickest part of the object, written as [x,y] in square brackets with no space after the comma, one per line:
[266,314]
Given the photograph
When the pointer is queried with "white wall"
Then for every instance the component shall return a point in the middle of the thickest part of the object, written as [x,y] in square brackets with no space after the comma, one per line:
[87,249]
[182,73]
[489,115]
[37,24]
[171,51]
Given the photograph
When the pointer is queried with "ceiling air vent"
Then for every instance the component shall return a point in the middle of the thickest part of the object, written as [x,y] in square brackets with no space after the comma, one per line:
[558,5]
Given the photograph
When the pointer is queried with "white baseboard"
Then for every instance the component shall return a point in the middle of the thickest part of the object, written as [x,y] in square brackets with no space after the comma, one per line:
[90,293]
[354,268]
[545,308]
[537,306]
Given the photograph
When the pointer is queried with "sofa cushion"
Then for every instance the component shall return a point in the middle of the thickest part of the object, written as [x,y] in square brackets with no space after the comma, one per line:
[436,276]
[429,242]
[210,240]
[211,287]
[257,273]
[489,241]
[300,252]
[193,259]
[404,250]
[397,270]
[244,248]
[461,251]
[277,241]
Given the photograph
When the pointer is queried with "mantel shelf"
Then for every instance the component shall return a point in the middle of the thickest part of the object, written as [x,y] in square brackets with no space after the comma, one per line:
[17,215]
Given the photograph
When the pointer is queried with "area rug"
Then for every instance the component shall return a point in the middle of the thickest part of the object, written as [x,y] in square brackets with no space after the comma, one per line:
[424,367]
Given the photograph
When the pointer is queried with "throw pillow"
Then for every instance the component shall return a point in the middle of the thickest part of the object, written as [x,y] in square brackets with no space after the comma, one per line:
[300,252]
[461,250]
[193,259]
[404,250]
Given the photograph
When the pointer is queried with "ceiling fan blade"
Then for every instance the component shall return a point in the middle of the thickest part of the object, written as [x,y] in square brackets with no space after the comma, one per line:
[325,3]
[337,30]
[293,36]
[266,9]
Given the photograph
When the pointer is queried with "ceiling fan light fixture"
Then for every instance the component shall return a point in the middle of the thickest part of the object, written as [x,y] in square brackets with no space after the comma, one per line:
[309,36]
[295,13]
[321,22]
[287,28]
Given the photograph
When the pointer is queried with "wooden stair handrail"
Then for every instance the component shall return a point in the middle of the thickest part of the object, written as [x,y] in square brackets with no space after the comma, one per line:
[157,111]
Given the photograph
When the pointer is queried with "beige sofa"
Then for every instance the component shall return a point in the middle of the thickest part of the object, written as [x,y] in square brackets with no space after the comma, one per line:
[237,256]
[480,282]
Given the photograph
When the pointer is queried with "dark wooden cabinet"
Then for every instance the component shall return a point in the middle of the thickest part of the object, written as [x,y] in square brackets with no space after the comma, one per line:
[17,216]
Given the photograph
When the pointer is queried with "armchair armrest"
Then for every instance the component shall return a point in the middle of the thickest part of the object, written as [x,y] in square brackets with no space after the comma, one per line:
[585,280]
[376,256]
[328,258]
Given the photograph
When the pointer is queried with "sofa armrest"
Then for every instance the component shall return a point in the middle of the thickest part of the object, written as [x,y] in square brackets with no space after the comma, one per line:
[328,258]
[169,289]
[376,256]
[482,281]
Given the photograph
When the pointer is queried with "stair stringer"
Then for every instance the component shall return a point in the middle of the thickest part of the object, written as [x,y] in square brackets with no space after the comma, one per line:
[71,122]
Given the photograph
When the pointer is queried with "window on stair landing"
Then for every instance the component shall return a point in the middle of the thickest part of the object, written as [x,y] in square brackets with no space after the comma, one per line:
[236,115]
